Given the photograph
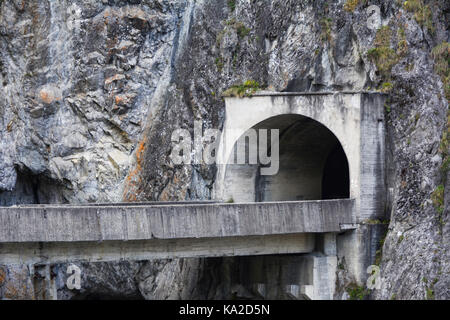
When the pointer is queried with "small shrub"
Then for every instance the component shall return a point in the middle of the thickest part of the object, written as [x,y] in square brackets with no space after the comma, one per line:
[232,4]
[444,147]
[386,87]
[383,55]
[383,37]
[231,200]
[385,58]
[325,25]
[388,108]
[240,28]
[422,13]
[438,198]
[350,5]
[219,63]
[357,292]
[430,294]
[246,89]
[441,56]
[402,45]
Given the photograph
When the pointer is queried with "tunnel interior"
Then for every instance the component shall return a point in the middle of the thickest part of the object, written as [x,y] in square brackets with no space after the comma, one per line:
[312,164]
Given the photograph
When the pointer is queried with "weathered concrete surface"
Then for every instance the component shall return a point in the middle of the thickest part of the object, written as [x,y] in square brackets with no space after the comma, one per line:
[323,120]
[58,234]
[355,118]
[70,223]
[64,252]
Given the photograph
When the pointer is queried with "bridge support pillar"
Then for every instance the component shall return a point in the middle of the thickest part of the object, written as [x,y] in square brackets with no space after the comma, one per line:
[322,269]
[323,278]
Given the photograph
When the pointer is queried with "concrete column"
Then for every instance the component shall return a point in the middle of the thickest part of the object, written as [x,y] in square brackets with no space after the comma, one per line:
[323,282]
[324,275]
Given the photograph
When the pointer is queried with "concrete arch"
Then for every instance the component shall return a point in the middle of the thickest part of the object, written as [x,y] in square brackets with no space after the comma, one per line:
[340,114]
[305,170]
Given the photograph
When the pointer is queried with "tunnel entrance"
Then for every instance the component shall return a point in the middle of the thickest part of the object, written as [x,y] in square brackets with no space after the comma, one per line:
[312,165]
[336,180]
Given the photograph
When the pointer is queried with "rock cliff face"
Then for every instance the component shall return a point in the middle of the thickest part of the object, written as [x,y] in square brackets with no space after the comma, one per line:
[90,92]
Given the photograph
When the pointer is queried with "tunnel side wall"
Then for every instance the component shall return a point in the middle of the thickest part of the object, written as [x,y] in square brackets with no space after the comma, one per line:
[373,181]
[357,249]
[373,187]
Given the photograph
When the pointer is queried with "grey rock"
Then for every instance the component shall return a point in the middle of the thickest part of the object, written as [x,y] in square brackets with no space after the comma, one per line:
[90,92]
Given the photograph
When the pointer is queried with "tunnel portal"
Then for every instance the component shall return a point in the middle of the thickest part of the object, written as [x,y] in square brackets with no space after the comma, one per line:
[312,164]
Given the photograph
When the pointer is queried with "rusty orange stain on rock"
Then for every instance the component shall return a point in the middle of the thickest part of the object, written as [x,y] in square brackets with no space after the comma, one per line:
[119,99]
[134,178]
[2,276]
[47,96]
[115,77]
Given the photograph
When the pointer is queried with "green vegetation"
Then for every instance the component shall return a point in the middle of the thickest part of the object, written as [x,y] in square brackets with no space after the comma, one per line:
[248,88]
[441,56]
[350,5]
[438,198]
[444,147]
[219,63]
[422,13]
[231,200]
[235,56]
[231,4]
[402,45]
[387,107]
[416,117]
[430,290]
[400,239]
[379,252]
[240,28]
[383,55]
[325,25]
[357,292]
[394,296]
[430,294]
[386,87]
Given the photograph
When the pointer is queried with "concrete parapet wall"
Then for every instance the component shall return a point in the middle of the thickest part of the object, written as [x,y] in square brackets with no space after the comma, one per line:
[68,224]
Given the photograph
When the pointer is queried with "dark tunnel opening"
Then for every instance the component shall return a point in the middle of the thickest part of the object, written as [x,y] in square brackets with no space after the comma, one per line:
[336,180]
